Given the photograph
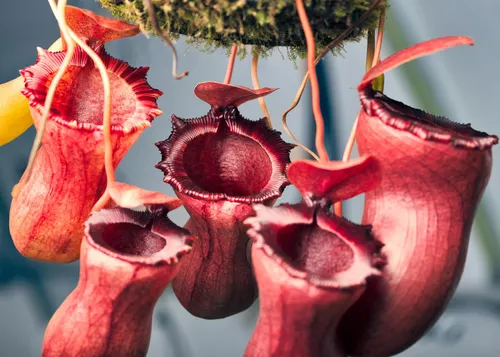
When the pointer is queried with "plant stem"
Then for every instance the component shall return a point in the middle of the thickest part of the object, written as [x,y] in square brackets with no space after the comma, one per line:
[256,85]
[316,105]
[230,64]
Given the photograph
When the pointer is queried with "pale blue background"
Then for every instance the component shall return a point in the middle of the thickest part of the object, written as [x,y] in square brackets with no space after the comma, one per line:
[465,80]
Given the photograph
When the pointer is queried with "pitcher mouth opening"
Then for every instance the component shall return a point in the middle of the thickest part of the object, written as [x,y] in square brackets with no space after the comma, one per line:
[421,124]
[130,239]
[137,237]
[310,248]
[223,156]
[315,246]
[79,100]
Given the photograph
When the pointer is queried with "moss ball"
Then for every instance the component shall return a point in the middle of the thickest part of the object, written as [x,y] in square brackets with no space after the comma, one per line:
[262,23]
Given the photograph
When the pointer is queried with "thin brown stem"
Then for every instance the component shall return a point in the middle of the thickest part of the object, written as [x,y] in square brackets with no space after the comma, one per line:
[156,27]
[350,142]
[285,124]
[256,85]
[316,105]
[61,19]
[230,64]
[323,53]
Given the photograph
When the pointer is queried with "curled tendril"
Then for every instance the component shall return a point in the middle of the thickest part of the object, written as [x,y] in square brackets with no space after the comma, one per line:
[156,27]
[285,125]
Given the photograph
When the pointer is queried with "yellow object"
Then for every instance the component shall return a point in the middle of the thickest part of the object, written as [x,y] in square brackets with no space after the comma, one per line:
[15,117]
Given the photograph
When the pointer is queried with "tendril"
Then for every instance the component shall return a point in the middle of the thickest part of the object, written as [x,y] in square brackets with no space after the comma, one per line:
[285,125]
[346,157]
[59,14]
[156,27]
[106,123]
[230,64]
[256,85]
[316,106]
[323,53]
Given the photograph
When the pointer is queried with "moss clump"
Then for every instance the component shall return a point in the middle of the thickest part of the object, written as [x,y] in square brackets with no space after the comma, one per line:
[262,23]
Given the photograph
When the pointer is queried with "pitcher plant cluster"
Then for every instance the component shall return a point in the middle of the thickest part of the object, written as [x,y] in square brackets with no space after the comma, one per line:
[327,286]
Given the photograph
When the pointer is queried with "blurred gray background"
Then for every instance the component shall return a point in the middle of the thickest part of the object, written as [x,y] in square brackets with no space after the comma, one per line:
[460,83]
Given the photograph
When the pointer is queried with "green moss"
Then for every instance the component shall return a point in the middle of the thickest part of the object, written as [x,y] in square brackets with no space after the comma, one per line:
[263,23]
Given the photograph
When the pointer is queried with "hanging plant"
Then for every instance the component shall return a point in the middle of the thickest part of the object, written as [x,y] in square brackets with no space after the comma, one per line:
[49,207]
[435,172]
[218,165]
[127,260]
[310,264]
[261,23]
[327,286]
